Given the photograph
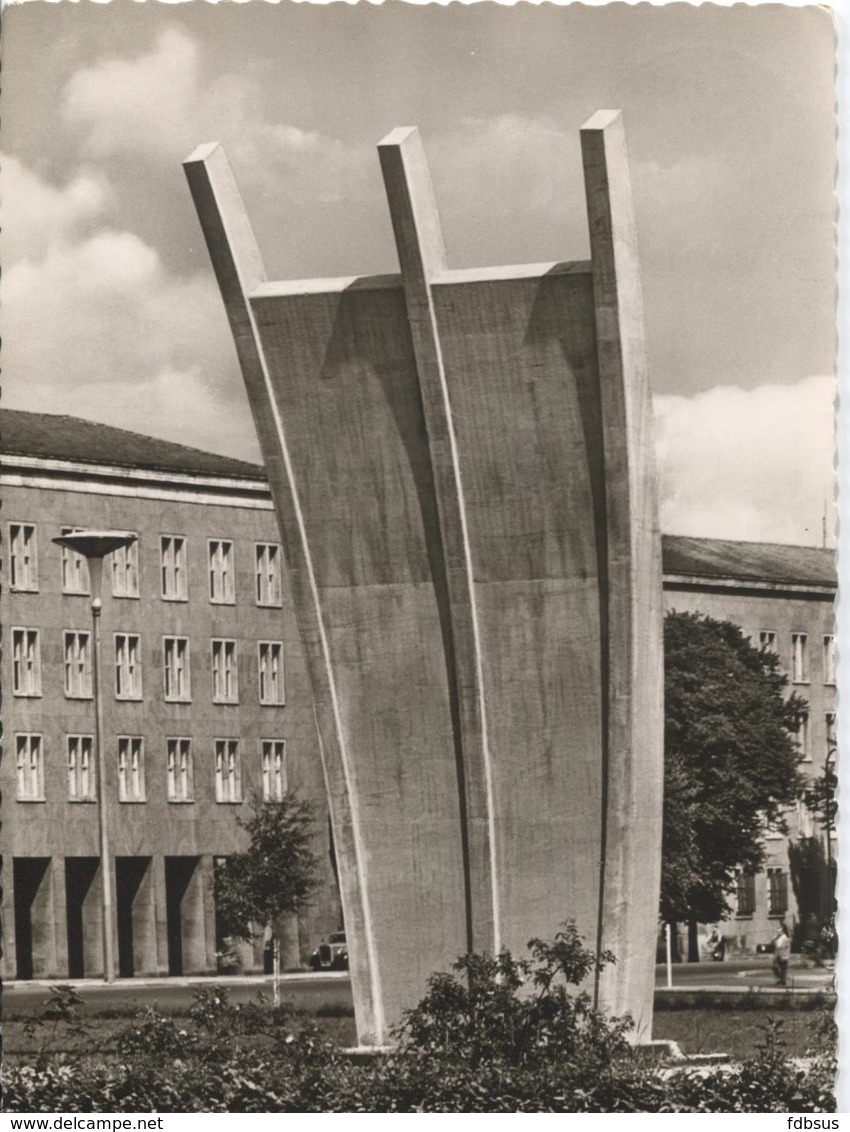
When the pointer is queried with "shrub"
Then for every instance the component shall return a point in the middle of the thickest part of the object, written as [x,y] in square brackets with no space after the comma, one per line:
[481,1016]
[498,1034]
[335,1010]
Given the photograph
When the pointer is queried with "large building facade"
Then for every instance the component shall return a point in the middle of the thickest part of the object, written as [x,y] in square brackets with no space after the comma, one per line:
[205,698]
[207,702]
[782,597]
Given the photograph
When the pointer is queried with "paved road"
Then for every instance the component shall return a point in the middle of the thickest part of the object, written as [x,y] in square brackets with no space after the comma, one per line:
[335,987]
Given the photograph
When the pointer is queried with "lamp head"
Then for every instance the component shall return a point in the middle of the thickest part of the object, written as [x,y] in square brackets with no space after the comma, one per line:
[94,546]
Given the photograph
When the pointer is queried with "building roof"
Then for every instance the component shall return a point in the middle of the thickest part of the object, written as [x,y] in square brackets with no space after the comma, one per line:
[765,562]
[54,437]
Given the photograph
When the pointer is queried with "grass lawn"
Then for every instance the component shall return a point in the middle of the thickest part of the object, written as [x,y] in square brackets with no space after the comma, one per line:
[700,1024]
[21,1040]
[738,1033]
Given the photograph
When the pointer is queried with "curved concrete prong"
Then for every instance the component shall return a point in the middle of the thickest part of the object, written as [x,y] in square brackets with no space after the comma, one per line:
[239,270]
[631,836]
[422,258]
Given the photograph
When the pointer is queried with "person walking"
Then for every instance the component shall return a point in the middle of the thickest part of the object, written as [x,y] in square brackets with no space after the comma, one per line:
[716,945]
[781,952]
[828,940]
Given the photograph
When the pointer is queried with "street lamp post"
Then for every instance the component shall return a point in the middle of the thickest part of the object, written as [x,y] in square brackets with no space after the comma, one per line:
[94,546]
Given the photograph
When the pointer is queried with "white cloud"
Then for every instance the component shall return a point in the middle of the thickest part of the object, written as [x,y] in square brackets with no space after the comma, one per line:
[95,325]
[160,105]
[36,214]
[137,104]
[748,464]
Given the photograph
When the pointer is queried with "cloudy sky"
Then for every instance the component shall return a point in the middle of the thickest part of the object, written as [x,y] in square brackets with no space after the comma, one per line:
[109,307]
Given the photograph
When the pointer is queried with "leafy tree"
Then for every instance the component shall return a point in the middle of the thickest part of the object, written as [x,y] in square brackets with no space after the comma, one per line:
[277,873]
[730,763]
[820,798]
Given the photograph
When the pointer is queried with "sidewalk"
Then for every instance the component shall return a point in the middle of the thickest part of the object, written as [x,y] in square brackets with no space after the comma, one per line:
[176,980]
[744,975]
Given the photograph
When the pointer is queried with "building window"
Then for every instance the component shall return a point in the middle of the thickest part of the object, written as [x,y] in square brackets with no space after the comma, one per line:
[803,738]
[23,561]
[777,892]
[30,768]
[125,571]
[274,770]
[767,640]
[829,659]
[128,667]
[228,776]
[271,672]
[75,569]
[224,672]
[131,769]
[268,573]
[180,770]
[26,662]
[221,571]
[80,769]
[78,665]
[805,824]
[799,660]
[746,893]
[176,654]
[175,581]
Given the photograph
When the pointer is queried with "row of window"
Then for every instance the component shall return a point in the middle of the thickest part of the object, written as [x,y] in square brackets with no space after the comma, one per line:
[777,893]
[173,568]
[800,655]
[78,662]
[130,754]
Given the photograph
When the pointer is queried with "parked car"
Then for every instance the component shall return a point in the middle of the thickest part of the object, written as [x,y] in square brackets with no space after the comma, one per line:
[331,956]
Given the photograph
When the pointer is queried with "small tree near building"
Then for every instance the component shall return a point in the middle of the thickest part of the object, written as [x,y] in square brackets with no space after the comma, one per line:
[820,799]
[276,874]
[730,764]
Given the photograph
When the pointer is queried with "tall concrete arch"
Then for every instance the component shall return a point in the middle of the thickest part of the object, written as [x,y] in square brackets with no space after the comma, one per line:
[463,472]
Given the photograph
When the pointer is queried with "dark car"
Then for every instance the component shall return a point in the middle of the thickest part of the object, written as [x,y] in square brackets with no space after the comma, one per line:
[331,956]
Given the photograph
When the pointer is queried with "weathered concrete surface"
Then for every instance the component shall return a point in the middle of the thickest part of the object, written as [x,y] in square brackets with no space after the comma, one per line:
[631,589]
[463,473]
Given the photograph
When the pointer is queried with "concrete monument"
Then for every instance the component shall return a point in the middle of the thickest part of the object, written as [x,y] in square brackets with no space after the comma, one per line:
[463,472]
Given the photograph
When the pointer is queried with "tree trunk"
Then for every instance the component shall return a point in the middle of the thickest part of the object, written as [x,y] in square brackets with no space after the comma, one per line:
[693,942]
[674,942]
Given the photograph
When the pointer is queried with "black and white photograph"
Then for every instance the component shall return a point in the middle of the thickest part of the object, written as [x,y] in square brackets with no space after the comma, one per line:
[419,523]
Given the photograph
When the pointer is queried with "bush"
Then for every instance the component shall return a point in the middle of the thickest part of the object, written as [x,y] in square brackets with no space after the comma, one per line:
[498,1034]
[335,1010]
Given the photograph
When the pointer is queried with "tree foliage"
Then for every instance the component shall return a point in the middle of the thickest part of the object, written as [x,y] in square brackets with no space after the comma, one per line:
[500,1009]
[277,873]
[820,798]
[730,761]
